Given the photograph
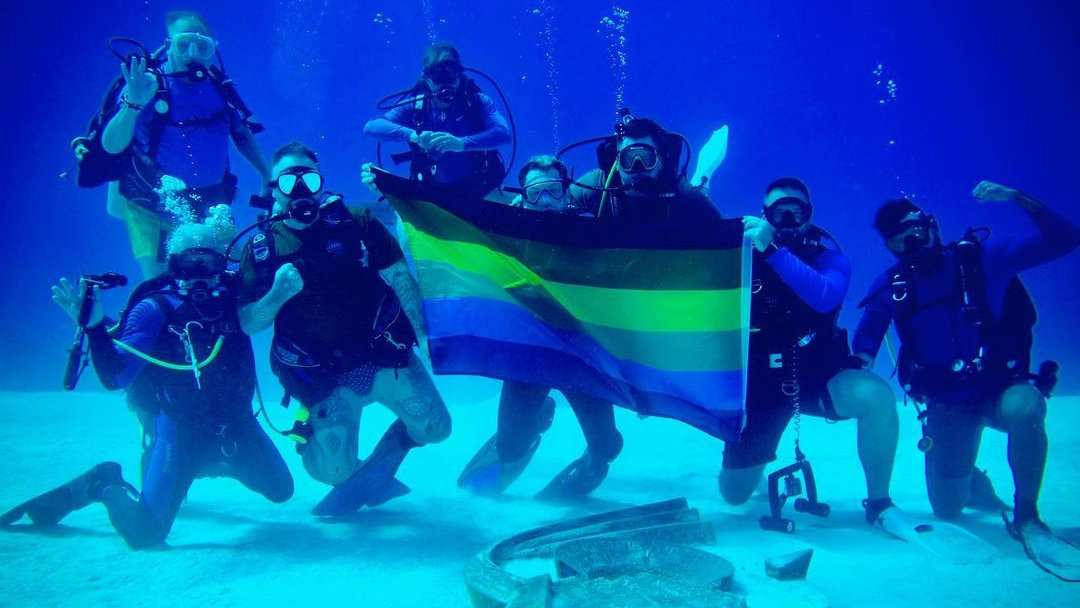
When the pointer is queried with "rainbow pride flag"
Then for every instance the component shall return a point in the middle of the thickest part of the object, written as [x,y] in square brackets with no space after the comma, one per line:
[654,318]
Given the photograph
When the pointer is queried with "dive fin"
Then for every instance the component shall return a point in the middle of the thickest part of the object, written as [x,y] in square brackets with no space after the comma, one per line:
[578,479]
[49,508]
[711,156]
[359,491]
[487,474]
[1047,550]
[944,540]
[374,482]
[389,491]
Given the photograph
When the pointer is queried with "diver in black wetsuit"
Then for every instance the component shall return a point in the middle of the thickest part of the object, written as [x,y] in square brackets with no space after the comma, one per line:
[179,347]
[965,320]
[799,359]
[452,127]
[525,410]
[644,183]
[334,285]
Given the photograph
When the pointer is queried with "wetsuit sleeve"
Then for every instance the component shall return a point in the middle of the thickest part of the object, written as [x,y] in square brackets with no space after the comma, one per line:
[822,285]
[496,131]
[875,321]
[1054,237]
[115,367]
[383,249]
[392,125]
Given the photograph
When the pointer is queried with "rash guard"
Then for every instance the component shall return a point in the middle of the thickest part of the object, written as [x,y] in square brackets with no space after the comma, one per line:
[117,367]
[822,284]
[1053,236]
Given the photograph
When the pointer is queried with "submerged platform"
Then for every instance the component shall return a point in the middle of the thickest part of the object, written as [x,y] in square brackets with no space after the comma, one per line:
[232,548]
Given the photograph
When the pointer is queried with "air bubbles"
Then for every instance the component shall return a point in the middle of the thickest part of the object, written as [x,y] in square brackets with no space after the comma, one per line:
[429,19]
[546,41]
[885,86]
[613,29]
[385,23]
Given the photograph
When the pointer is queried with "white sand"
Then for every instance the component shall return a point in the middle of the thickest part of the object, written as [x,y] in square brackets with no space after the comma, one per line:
[231,548]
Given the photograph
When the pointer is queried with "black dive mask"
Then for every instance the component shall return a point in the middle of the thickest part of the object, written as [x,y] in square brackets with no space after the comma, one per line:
[197,271]
[446,77]
[300,184]
[638,158]
[912,239]
[788,222]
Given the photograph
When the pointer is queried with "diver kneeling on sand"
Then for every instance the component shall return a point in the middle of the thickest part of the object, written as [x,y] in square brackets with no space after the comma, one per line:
[346,315]
[178,346]
[525,410]
[639,182]
[965,325]
[800,362]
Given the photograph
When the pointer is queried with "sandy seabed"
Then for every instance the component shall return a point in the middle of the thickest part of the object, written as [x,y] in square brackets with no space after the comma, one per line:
[230,547]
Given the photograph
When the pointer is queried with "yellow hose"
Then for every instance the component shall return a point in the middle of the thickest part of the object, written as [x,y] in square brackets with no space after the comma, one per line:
[607,184]
[180,367]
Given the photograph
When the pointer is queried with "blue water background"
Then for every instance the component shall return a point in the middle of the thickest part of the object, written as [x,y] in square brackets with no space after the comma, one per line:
[982,90]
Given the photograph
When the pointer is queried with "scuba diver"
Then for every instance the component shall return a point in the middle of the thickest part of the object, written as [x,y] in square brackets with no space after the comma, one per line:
[525,410]
[965,322]
[452,128]
[171,114]
[346,314]
[799,361]
[640,179]
[179,346]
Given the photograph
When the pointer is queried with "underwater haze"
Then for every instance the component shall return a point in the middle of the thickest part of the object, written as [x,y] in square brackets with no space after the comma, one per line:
[983,90]
[864,101]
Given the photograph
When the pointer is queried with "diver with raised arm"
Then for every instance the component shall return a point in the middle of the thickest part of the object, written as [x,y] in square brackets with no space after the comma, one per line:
[179,350]
[173,113]
[965,325]
[332,282]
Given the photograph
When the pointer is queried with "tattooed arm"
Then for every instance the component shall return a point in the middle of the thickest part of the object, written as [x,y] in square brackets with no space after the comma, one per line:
[398,277]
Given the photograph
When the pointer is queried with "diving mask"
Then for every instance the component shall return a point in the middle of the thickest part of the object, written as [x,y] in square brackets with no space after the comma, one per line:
[196,263]
[308,178]
[911,235]
[788,215]
[445,77]
[194,46]
[638,158]
[546,193]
